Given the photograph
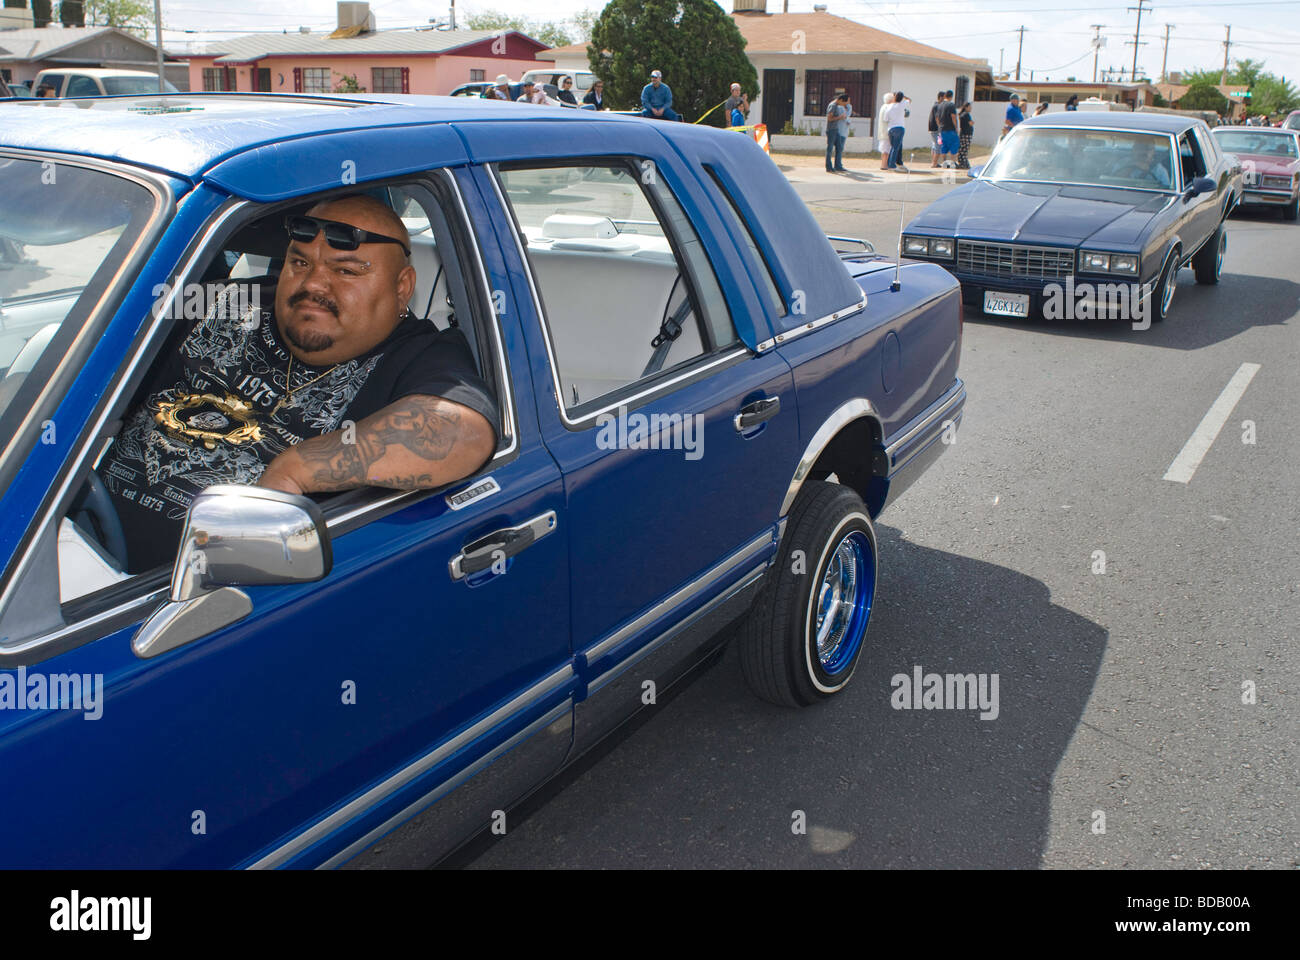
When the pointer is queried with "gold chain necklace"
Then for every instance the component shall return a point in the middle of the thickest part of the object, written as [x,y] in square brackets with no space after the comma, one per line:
[290,390]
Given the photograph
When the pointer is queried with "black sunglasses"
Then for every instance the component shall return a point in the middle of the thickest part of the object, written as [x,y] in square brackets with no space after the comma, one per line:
[340,236]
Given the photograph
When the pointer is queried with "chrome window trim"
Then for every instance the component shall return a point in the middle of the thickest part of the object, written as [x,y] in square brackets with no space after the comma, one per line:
[165,201]
[953,397]
[683,595]
[586,419]
[446,787]
[812,325]
[394,782]
[70,635]
[845,413]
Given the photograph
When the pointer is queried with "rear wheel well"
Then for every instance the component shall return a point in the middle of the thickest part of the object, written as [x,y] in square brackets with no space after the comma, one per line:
[856,456]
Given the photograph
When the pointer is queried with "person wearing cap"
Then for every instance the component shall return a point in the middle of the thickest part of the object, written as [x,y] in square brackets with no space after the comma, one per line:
[1014,115]
[595,97]
[737,106]
[502,90]
[657,99]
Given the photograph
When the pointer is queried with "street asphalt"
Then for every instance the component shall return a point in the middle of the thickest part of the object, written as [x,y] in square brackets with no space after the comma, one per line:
[1156,700]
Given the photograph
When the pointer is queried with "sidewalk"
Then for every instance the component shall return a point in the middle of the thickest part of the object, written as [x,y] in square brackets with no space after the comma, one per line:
[865,168]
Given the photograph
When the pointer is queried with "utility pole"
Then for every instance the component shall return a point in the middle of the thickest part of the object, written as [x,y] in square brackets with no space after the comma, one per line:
[1164,61]
[1001,51]
[1227,42]
[1097,43]
[453,14]
[1019,51]
[1137,35]
[157,34]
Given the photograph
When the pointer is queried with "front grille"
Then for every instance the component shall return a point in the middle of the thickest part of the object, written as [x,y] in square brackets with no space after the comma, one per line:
[1014,260]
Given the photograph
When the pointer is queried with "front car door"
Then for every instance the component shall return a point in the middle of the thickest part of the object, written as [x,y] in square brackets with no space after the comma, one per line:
[335,710]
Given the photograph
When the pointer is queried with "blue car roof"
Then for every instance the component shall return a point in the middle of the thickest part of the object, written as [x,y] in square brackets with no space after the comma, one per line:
[1120,120]
[188,133]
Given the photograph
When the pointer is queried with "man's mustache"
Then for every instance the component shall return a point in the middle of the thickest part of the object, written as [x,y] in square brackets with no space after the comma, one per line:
[320,301]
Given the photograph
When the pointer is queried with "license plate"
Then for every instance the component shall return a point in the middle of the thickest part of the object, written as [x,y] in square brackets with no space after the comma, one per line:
[1006,304]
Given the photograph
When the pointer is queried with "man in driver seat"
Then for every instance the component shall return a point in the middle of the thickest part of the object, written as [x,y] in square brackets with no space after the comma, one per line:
[339,387]
[1143,165]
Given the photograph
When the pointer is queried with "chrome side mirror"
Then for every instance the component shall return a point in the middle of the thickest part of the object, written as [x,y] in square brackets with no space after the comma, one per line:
[249,536]
[235,536]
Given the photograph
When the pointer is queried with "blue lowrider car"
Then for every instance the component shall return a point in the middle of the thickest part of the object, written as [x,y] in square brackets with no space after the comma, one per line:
[702,409]
[1084,200]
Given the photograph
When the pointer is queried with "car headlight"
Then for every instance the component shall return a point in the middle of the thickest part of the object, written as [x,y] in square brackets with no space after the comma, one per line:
[1124,263]
[926,247]
[1274,181]
[1094,262]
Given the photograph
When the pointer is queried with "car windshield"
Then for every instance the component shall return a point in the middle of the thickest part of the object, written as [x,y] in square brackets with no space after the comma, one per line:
[1254,142]
[135,86]
[1108,158]
[1292,122]
[64,231]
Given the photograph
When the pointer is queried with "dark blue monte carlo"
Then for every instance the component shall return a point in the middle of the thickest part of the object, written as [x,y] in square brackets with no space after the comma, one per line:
[1085,199]
[699,407]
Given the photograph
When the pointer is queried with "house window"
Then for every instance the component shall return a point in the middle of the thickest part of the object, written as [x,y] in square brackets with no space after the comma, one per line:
[386,79]
[477,76]
[963,91]
[316,80]
[214,78]
[823,86]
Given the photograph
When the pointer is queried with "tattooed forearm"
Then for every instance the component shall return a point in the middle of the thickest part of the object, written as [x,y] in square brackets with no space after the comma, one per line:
[414,442]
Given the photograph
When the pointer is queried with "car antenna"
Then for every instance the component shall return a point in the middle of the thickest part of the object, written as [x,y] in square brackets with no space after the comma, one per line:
[896,284]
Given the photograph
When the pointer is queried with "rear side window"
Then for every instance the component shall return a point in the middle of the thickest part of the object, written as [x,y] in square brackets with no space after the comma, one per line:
[54,80]
[81,86]
[626,287]
[769,282]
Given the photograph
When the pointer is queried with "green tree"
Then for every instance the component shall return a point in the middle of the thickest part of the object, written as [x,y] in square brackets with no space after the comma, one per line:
[1204,96]
[549,32]
[1273,95]
[696,45]
[134,16]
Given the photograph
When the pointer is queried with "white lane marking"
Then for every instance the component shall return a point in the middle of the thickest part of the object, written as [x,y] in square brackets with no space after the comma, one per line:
[1202,438]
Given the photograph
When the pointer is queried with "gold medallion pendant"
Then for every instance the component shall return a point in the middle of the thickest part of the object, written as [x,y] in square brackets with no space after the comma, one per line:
[209,419]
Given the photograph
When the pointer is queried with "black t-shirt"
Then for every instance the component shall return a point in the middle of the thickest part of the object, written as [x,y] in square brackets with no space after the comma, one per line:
[934,116]
[213,413]
[947,115]
[967,124]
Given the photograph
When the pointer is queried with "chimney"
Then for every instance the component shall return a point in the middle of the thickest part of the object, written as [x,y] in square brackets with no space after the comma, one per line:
[355,18]
[749,6]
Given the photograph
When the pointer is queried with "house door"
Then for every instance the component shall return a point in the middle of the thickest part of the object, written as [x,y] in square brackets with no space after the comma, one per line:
[778,99]
[262,79]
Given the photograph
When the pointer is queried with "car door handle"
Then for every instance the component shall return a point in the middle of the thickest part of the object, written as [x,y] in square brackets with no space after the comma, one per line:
[760,411]
[500,545]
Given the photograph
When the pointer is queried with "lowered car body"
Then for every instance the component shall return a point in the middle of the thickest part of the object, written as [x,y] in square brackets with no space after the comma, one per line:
[1081,201]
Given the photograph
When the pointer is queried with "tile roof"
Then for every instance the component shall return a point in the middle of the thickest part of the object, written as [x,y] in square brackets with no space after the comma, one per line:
[827,33]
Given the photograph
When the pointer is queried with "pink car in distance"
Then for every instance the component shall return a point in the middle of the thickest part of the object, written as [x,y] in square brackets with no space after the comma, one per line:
[1270,162]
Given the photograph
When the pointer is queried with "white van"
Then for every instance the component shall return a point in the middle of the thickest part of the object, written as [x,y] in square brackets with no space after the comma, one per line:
[97,82]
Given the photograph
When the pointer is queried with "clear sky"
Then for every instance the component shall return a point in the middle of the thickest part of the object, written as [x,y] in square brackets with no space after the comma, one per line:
[1057,38]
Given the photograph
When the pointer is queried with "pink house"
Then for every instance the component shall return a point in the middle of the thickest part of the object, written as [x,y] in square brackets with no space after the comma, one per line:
[387,61]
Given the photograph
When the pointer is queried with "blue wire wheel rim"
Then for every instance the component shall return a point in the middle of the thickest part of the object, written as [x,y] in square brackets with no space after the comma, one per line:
[840,607]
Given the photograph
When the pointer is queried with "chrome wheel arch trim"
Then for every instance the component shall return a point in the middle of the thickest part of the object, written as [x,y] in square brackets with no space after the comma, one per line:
[846,413]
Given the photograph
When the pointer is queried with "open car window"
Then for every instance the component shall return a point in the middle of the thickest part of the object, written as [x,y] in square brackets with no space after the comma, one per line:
[212,409]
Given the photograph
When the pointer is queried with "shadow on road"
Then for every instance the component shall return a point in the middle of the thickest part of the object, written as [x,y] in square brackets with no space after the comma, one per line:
[716,778]
[1200,316]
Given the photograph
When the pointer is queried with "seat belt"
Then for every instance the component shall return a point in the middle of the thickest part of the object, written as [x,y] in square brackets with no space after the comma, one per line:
[669,331]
